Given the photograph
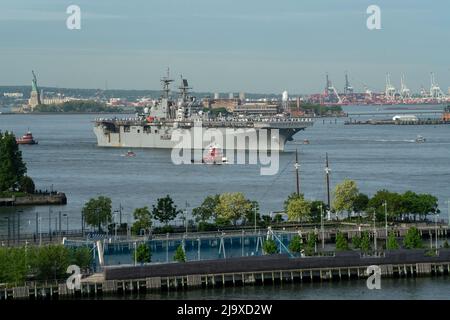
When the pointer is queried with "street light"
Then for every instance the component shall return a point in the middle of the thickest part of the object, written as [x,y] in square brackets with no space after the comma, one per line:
[9,229]
[67,223]
[386,219]
[255,218]
[374,231]
[18,226]
[321,226]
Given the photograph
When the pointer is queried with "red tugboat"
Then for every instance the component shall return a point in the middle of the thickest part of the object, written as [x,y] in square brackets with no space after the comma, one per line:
[26,139]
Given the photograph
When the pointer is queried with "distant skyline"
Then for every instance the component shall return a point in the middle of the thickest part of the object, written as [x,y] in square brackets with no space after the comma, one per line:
[252,46]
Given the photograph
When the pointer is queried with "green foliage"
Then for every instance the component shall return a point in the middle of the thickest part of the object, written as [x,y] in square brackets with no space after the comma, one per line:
[360,203]
[365,242]
[318,109]
[97,212]
[232,207]
[12,167]
[270,247]
[311,244]
[356,242]
[249,215]
[143,253]
[207,209]
[341,242]
[392,243]
[412,239]
[13,265]
[299,209]
[278,218]
[26,185]
[163,229]
[446,245]
[205,226]
[76,106]
[315,210]
[52,262]
[180,255]
[165,210]
[296,244]
[143,221]
[81,257]
[345,195]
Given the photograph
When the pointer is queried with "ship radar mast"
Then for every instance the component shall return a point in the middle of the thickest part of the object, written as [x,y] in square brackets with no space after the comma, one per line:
[184,88]
[166,83]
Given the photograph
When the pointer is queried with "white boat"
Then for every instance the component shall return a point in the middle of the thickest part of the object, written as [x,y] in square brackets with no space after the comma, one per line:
[420,139]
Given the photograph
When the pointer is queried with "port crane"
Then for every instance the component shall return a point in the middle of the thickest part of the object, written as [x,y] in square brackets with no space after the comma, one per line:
[405,92]
[435,90]
[390,89]
[331,91]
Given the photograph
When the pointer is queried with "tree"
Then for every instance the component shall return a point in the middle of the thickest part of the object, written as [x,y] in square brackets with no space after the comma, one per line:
[412,239]
[165,210]
[12,167]
[345,195]
[315,210]
[251,213]
[52,262]
[392,243]
[278,218]
[360,203]
[311,244]
[26,185]
[143,253]
[296,244]
[395,206]
[180,255]
[143,221]
[270,247]
[365,242]
[356,242]
[298,209]
[232,207]
[207,209]
[81,257]
[292,196]
[97,212]
[341,242]
[446,245]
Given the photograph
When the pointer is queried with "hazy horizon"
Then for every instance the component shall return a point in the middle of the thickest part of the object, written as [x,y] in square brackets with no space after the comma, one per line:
[224,46]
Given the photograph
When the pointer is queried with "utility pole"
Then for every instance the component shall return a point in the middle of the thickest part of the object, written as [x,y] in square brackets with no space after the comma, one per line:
[59,216]
[327,176]
[297,167]
[37,222]
[18,226]
[9,229]
[255,219]
[50,223]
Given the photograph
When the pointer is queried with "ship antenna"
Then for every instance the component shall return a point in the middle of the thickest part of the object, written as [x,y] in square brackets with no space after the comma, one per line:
[166,83]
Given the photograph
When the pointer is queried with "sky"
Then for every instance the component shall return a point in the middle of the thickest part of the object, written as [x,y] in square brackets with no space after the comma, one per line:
[253,46]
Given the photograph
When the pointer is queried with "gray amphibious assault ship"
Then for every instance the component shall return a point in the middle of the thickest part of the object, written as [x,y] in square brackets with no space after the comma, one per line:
[168,122]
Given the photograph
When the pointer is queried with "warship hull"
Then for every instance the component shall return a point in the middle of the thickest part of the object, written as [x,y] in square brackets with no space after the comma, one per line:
[237,136]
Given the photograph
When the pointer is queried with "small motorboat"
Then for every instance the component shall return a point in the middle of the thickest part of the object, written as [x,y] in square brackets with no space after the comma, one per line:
[214,155]
[420,139]
[26,139]
[129,154]
[305,141]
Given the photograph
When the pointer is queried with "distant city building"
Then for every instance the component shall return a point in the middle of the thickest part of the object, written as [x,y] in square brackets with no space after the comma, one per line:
[216,96]
[242,96]
[231,95]
[258,108]
[35,96]
[13,94]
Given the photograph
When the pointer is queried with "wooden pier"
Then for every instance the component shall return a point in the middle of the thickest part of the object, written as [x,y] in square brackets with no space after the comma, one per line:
[265,270]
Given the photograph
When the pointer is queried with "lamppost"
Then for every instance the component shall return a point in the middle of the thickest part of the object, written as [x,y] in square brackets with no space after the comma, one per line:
[18,226]
[297,168]
[436,230]
[386,218]
[9,229]
[374,231]
[135,253]
[67,223]
[321,226]
[40,231]
[255,218]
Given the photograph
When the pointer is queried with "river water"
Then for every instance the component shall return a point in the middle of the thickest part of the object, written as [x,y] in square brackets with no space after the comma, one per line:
[386,156]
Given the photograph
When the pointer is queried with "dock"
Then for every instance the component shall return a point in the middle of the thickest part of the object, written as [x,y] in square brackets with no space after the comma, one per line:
[257,270]
[397,122]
